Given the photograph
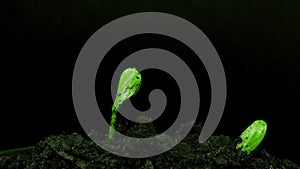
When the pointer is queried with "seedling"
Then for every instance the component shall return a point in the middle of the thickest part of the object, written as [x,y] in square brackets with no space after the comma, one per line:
[129,84]
[252,136]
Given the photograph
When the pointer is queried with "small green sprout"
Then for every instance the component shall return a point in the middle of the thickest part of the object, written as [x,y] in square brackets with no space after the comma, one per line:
[129,84]
[252,136]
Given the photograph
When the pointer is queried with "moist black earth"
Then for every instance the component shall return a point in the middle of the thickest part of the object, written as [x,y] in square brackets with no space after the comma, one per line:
[75,151]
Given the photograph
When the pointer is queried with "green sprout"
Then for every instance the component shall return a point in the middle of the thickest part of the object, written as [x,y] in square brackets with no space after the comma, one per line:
[252,136]
[129,84]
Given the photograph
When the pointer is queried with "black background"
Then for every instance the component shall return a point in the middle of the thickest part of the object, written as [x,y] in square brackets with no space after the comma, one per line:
[258,43]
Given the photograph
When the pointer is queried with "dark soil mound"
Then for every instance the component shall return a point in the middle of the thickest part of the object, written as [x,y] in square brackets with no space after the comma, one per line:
[74,151]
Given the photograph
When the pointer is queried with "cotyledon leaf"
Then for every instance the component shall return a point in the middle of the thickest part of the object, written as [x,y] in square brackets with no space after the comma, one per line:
[129,84]
[252,136]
